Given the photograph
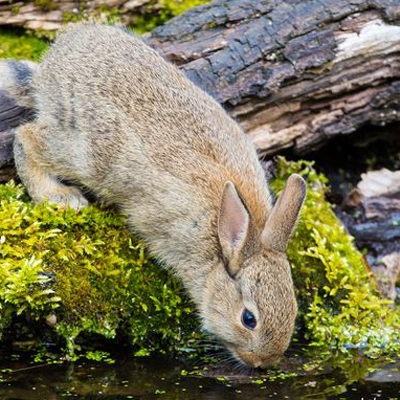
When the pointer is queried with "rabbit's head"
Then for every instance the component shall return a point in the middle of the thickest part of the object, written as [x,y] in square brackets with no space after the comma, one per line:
[249,300]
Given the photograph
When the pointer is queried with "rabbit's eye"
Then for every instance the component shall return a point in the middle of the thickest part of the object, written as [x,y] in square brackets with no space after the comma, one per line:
[248,319]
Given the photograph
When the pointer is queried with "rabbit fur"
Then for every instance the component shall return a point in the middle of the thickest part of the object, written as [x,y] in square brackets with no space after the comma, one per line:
[114,117]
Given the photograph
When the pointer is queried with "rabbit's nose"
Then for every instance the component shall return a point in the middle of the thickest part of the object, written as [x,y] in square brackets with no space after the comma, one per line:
[254,360]
[251,359]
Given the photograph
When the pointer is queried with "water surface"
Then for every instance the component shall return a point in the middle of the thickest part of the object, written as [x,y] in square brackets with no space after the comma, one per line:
[163,378]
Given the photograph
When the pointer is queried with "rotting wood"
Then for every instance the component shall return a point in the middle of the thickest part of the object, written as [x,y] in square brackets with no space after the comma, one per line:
[294,73]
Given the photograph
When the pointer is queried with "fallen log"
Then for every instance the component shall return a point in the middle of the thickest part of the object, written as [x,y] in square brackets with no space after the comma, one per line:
[294,73]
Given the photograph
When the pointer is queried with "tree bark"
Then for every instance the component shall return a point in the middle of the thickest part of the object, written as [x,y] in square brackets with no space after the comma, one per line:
[294,73]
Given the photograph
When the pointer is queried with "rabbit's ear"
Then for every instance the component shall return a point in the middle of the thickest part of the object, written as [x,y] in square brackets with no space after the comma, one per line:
[233,225]
[284,214]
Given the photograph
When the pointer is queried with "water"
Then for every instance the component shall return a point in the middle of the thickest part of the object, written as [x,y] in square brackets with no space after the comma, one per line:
[163,378]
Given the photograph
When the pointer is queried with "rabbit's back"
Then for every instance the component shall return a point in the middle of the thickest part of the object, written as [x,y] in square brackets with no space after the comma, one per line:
[132,128]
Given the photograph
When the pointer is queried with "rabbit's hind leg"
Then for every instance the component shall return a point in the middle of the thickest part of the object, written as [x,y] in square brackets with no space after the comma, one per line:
[35,173]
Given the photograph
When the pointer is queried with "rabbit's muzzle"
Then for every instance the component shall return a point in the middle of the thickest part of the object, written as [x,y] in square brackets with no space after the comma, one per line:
[254,360]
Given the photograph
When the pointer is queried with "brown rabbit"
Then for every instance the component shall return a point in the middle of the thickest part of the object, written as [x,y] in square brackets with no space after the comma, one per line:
[115,117]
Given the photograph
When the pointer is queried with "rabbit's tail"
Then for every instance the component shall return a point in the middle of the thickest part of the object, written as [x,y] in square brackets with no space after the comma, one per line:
[16,81]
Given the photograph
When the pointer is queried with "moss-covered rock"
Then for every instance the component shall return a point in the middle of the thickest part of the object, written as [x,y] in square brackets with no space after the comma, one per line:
[87,270]
[339,304]
[95,277]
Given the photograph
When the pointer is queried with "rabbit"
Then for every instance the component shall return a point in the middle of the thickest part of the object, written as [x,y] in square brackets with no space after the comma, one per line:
[116,118]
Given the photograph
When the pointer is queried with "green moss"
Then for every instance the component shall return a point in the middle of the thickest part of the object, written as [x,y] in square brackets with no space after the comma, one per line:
[160,12]
[45,5]
[80,14]
[86,268]
[89,271]
[16,10]
[21,46]
[148,21]
[69,16]
[176,7]
[339,304]
[152,15]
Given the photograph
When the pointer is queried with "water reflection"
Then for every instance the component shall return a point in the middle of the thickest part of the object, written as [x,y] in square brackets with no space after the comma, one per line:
[154,378]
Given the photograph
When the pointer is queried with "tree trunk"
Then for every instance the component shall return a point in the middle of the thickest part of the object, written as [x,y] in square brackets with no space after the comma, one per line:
[294,73]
